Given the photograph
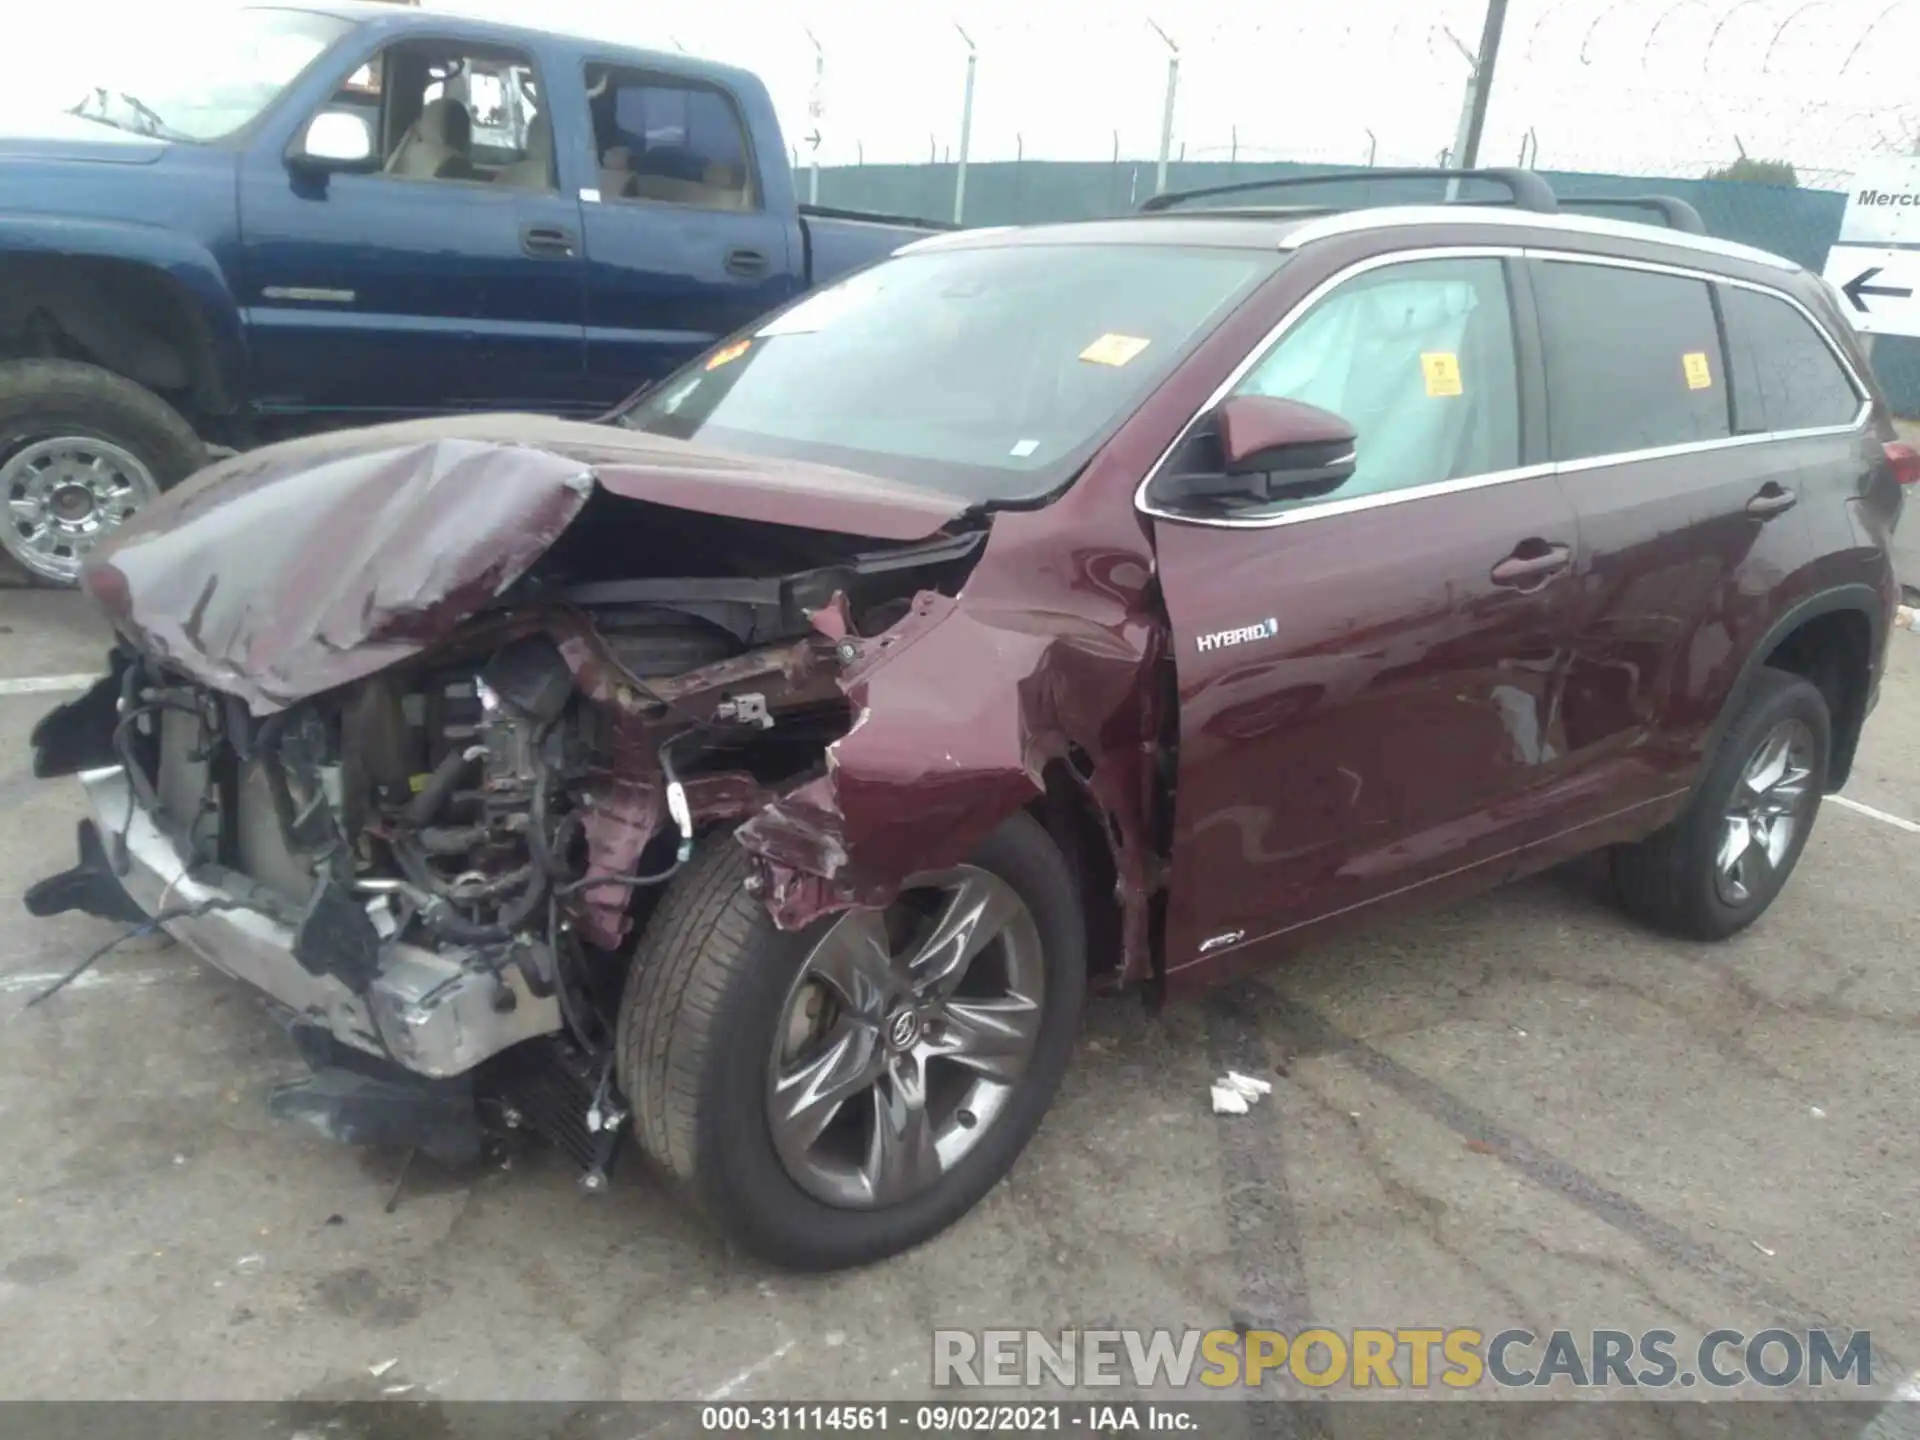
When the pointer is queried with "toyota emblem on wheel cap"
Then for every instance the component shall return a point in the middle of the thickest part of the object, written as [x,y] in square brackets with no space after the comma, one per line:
[903,1030]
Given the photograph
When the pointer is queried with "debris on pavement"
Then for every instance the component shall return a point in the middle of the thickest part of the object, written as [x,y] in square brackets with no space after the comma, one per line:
[1228,1101]
[382,1368]
[1761,1248]
[1248,1085]
[1234,1093]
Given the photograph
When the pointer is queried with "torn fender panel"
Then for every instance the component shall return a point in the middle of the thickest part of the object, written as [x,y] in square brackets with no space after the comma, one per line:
[959,708]
[299,567]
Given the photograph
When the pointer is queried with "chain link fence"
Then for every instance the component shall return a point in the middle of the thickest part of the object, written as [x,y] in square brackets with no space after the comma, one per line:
[1799,223]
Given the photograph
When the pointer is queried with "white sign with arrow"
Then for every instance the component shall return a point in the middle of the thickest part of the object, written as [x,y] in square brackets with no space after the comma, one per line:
[1875,264]
[1878,285]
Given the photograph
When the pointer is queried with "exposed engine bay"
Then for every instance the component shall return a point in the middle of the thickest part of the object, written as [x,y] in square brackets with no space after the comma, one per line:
[460,741]
[512,797]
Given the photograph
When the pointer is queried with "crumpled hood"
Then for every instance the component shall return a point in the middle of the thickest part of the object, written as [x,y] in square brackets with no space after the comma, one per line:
[289,570]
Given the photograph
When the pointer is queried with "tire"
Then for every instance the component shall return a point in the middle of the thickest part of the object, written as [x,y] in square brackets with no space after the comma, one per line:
[710,992]
[47,400]
[1672,880]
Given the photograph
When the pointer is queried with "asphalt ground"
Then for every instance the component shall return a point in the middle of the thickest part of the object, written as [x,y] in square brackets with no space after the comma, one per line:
[1521,1110]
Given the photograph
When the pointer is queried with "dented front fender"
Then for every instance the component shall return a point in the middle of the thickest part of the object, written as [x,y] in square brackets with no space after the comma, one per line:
[959,710]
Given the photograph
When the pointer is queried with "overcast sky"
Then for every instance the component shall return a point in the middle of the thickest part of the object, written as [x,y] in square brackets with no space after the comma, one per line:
[1644,86]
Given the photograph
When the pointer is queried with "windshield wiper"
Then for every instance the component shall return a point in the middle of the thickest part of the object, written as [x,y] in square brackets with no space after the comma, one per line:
[151,125]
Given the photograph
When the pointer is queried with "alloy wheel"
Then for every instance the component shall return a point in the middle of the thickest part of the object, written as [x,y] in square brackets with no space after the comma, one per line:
[903,1038]
[1768,808]
[63,496]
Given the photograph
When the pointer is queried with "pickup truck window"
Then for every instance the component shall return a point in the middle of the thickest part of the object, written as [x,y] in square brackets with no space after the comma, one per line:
[463,113]
[200,83]
[992,372]
[669,140]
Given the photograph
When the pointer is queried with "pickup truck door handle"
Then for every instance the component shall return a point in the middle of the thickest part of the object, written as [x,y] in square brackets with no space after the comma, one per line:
[1772,500]
[547,242]
[743,261]
[1532,564]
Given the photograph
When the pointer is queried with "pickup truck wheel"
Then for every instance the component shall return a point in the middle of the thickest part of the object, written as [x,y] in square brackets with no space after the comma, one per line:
[1716,869]
[835,1095]
[80,450]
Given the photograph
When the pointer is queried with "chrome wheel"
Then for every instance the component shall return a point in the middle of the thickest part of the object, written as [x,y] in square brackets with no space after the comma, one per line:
[903,1038]
[63,496]
[1768,808]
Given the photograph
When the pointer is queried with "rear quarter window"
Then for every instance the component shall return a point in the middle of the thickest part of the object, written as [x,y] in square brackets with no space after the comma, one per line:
[1785,377]
[1633,360]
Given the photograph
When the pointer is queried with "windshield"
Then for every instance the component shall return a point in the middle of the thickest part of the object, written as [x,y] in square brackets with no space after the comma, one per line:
[993,373]
[197,82]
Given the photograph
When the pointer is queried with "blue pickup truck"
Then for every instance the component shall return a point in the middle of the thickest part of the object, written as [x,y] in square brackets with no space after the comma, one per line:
[348,212]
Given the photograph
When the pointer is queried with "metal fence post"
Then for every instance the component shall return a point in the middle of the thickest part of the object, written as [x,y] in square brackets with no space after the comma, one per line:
[816,106]
[1166,114]
[966,129]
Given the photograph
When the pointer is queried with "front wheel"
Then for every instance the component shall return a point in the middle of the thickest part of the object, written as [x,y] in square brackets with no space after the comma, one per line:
[836,1095]
[81,449]
[1716,869]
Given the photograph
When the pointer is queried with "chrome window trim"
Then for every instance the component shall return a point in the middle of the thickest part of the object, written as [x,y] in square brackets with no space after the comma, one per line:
[1350,222]
[1354,503]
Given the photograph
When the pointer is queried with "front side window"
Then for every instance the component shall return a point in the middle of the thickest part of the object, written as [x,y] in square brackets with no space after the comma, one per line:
[668,140]
[1418,358]
[1785,377]
[462,113]
[1633,360]
[990,372]
[196,83]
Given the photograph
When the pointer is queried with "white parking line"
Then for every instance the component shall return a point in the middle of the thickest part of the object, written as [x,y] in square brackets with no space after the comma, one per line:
[1872,814]
[45,684]
[91,980]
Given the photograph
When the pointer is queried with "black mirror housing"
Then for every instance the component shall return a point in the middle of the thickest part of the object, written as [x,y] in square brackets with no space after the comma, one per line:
[1261,450]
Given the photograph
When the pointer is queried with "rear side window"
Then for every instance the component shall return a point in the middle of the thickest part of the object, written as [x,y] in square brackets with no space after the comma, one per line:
[1785,377]
[1633,360]
[662,139]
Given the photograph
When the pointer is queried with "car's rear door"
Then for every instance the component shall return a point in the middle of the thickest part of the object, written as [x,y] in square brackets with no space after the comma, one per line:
[689,232]
[1385,711]
[1688,531]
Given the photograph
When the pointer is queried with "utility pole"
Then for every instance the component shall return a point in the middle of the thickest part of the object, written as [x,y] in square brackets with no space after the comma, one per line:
[966,128]
[1166,114]
[1473,107]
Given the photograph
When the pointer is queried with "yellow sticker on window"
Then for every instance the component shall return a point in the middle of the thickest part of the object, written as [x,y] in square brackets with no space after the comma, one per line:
[1111,349]
[1442,369]
[732,353]
[1699,374]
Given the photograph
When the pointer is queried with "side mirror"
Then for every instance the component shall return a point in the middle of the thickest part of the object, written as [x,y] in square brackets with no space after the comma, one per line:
[1260,449]
[333,140]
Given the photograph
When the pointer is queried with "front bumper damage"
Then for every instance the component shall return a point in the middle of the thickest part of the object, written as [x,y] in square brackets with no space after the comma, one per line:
[513,728]
[432,1012]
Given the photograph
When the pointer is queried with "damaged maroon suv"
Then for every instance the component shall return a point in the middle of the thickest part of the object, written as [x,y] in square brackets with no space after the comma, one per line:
[771,767]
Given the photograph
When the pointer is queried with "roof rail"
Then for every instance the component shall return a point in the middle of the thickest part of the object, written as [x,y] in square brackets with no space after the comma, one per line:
[1529,190]
[1677,213]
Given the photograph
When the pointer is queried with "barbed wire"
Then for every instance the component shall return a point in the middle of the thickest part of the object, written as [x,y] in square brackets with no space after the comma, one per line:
[1644,86]
[1655,87]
